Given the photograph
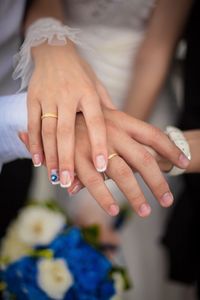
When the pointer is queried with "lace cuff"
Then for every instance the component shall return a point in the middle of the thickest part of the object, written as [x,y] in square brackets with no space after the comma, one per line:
[43,30]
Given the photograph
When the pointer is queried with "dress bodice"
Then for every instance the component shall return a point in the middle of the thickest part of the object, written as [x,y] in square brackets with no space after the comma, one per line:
[112,13]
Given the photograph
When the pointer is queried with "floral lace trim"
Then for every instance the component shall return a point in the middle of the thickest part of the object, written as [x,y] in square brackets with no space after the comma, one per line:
[43,30]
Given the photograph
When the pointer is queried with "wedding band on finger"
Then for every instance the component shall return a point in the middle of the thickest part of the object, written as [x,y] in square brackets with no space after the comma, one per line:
[49,115]
[105,177]
[112,156]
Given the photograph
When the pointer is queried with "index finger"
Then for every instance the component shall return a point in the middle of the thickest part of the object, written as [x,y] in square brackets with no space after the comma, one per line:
[94,182]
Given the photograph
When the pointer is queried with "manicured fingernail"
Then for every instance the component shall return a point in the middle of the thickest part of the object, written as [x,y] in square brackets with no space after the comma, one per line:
[101,163]
[75,190]
[65,179]
[36,160]
[184,161]
[167,199]
[144,210]
[55,177]
[114,210]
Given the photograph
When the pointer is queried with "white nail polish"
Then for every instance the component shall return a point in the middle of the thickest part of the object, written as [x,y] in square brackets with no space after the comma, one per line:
[101,163]
[36,160]
[65,179]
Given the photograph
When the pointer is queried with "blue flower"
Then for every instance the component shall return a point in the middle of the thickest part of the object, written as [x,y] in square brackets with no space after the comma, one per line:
[21,277]
[90,270]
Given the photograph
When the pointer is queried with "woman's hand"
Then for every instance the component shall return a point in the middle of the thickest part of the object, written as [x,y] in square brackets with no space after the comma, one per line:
[126,137]
[63,84]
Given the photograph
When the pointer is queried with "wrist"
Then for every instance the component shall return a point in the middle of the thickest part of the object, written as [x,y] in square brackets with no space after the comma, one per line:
[45,52]
[43,32]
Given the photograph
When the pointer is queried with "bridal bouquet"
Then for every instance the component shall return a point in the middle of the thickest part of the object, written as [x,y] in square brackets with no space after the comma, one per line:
[43,257]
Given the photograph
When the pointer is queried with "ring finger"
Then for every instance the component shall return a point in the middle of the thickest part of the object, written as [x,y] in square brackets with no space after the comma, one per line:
[49,128]
[121,173]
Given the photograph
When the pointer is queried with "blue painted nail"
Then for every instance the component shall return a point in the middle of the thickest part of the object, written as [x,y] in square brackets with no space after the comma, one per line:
[55,177]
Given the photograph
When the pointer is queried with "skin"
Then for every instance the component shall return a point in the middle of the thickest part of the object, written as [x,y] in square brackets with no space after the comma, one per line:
[126,137]
[155,55]
[193,139]
[63,84]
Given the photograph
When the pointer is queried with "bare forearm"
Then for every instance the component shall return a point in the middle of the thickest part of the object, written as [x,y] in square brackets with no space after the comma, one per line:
[154,56]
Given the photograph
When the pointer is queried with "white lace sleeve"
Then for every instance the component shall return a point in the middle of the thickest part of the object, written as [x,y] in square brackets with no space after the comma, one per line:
[13,119]
[48,30]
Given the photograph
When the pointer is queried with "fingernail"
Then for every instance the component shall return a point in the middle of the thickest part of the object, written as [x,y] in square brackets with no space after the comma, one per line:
[114,210]
[75,190]
[101,163]
[55,177]
[36,160]
[144,210]
[65,179]
[167,199]
[184,161]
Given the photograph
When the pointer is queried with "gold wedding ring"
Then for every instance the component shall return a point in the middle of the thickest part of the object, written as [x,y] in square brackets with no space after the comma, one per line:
[49,115]
[112,155]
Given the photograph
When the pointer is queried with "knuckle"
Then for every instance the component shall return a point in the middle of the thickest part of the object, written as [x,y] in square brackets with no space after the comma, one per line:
[51,159]
[64,130]
[162,187]
[47,131]
[98,146]
[122,171]
[96,120]
[66,163]
[88,90]
[137,199]
[111,128]
[156,134]
[32,127]
[35,146]
[147,158]
[106,201]
[94,180]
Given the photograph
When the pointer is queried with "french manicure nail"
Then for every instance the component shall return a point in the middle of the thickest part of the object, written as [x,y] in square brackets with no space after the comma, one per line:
[144,210]
[55,177]
[114,210]
[167,199]
[36,160]
[101,163]
[65,179]
[184,161]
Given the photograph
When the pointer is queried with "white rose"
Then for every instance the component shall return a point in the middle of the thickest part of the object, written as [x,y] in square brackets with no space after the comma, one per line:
[54,277]
[39,225]
[119,286]
[11,245]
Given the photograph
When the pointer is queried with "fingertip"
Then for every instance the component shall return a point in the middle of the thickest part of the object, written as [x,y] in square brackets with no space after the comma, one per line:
[167,199]
[184,161]
[101,163]
[113,210]
[144,210]
[66,178]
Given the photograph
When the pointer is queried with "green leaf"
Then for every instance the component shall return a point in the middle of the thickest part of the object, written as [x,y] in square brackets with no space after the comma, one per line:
[92,234]
[45,253]
[127,282]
